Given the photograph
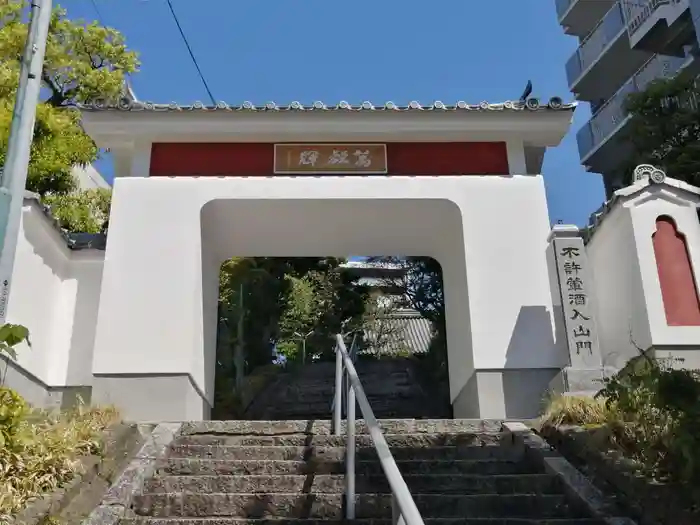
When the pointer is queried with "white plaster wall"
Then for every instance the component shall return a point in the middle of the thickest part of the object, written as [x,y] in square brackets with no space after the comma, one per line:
[644,209]
[619,302]
[157,312]
[55,293]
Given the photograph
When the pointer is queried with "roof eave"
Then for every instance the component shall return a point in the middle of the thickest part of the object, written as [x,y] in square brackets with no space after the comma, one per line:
[543,128]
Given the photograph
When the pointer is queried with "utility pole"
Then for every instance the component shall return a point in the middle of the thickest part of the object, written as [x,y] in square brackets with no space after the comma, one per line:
[13,178]
[303,344]
[239,352]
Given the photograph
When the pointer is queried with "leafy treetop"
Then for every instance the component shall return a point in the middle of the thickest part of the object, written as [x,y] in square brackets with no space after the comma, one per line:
[665,128]
[83,62]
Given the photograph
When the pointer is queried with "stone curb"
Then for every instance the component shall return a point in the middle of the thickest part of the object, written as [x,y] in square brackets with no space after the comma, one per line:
[117,500]
[579,488]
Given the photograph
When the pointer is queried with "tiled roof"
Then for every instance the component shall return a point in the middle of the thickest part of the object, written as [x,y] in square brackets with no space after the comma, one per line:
[405,331]
[532,104]
[74,241]
[643,179]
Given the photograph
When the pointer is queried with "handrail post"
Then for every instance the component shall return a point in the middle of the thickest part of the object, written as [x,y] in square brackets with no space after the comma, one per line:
[337,406]
[350,454]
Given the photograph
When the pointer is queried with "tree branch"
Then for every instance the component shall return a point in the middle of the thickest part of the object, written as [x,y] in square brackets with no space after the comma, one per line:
[57,97]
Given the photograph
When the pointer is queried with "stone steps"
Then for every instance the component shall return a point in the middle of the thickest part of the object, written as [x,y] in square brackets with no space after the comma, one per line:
[319,453]
[335,483]
[395,388]
[459,472]
[330,506]
[214,467]
[365,521]
[323,427]
[362,440]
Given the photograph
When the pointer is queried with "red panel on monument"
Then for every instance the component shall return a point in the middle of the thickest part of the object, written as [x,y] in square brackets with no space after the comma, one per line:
[257,160]
[678,290]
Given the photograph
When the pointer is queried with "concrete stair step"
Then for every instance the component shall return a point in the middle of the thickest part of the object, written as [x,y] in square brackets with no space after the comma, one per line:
[324,427]
[317,454]
[370,521]
[335,483]
[363,440]
[326,396]
[218,467]
[330,506]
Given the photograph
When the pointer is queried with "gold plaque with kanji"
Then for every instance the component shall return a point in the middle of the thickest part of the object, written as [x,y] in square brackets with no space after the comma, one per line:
[341,159]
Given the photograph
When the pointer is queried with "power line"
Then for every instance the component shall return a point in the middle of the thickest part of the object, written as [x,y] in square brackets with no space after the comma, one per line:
[100,18]
[194,60]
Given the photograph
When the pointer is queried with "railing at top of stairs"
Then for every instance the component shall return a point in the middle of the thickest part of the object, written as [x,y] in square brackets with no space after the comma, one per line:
[404,510]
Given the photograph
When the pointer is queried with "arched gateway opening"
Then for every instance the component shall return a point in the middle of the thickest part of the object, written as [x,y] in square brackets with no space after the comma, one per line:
[194,188]
[318,228]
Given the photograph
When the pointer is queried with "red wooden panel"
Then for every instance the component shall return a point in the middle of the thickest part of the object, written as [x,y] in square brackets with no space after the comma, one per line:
[678,290]
[255,159]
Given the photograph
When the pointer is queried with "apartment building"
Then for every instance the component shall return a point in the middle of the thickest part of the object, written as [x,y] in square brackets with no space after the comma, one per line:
[623,45]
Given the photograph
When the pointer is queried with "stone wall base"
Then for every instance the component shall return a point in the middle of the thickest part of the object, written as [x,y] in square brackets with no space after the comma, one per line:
[152,398]
[508,393]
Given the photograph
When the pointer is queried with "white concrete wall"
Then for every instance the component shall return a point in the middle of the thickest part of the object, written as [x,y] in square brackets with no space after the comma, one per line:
[629,305]
[89,178]
[168,237]
[619,302]
[644,209]
[55,293]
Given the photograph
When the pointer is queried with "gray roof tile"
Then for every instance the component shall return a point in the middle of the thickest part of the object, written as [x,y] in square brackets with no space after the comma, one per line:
[532,104]
[405,331]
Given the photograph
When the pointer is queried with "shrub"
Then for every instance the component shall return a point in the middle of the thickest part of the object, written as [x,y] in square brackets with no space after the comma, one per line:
[659,410]
[13,410]
[578,410]
[39,451]
[83,211]
[46,451]
[651,413]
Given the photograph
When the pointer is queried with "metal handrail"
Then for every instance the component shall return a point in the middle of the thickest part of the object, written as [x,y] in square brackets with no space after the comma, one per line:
[404,510]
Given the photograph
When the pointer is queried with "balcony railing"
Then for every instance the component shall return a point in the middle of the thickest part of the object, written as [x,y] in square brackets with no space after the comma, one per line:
[612,113]
[563,7]
[638,11]
[604,33]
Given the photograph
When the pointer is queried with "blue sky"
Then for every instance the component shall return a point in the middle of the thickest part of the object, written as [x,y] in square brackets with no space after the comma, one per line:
[377,50]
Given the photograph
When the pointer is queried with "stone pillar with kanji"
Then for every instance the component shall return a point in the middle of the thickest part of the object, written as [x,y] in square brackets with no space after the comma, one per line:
[575,313]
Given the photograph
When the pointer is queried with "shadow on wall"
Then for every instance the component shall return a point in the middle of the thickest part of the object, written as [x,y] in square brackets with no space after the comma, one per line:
[38,231]
[532,342]
[80,274]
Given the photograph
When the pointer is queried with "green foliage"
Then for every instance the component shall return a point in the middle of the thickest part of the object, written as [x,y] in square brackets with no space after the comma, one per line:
[13,410]
[44,450]
[84,211]
[658,418]
[422,289]
[10,336]
[665,128]
[303,305]
[83,62]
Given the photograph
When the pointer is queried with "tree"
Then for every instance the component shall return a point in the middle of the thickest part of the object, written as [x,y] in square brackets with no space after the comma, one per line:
[380,329]
[420,287]
[665,128]
[83,62]
[281,296]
